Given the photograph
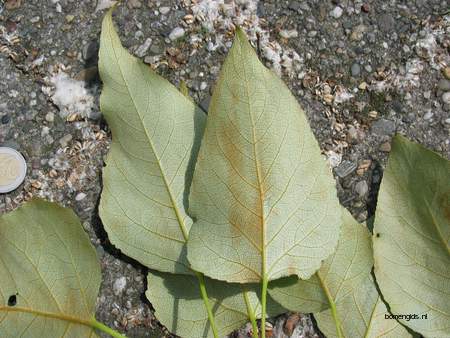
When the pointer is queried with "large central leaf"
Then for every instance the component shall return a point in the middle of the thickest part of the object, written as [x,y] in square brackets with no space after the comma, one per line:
[263,197]
[149,164]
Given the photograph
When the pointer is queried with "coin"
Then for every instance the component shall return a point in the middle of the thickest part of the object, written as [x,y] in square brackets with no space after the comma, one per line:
[13,169]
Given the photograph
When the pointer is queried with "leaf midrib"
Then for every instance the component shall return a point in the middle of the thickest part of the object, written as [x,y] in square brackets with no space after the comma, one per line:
[63,317]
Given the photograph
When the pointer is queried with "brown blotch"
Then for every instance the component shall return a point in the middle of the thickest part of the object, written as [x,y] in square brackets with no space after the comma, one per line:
[444,203]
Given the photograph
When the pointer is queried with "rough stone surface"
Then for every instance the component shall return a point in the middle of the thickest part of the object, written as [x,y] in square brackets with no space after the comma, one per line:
[402,51]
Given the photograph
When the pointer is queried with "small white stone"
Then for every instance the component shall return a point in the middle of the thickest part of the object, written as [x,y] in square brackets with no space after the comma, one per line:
[447,121]
[80,196]
[428,115]
[119,285]
[176,33]
[361,188]
[45,131]
[142,49]
[203,85]
[50,117]
[337,12]
[287,34]
[164,10]
[446,97]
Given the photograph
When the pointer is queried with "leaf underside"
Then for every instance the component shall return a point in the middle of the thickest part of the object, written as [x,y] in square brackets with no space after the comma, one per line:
[263,197]
[411,237]
[49,273]
[149,166]
[178,306]
[362,315]
[346,275]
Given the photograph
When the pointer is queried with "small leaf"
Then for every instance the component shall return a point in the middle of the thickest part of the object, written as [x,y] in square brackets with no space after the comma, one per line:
[346,278]
[263,197]
[411,237]
[49,273]
[149,166]
[179,307]
[362,314]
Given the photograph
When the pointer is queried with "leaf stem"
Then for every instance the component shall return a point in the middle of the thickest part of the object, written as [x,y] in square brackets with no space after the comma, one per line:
[102,327]
[59,316]
[333,309]
[201,281]
[265,281]
[251,314]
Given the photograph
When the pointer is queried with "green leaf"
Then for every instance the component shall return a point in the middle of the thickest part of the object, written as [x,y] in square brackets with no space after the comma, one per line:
[340,274]
[178,306]
[49,273]
[343,282]
[411,237]
[362,314]
[149,166]
[263,197]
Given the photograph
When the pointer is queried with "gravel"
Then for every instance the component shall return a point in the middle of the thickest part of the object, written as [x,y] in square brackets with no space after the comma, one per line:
[355,69]
[337,12]
[362,70]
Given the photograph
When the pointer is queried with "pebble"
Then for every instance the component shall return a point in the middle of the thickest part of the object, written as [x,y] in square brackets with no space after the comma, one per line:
[383,127]
[142,49]
[90,50]
[5,119]
[50,117]
[45,131]
[363,167]
[365,8]
[134,4]
[80,196]
[70,18]
[361,188]
[446,98]
[345,168]
[119,285]
[337,12]
[203,85]
[164,10]
[385,147]
[176,33]
[352,134]
[428,115]
[64,141]
[386,23]
[446,72]
[287,34]
[444,85]
[355,69]
[358,33]
[362,85]
[373,114]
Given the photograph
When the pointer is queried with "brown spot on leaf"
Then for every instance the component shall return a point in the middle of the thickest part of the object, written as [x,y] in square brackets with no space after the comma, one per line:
[444,203]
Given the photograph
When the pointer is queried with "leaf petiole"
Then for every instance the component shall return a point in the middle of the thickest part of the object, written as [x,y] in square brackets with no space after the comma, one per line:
[332,306]
[201,281]
[265,281]
[251,314]
[102,327]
